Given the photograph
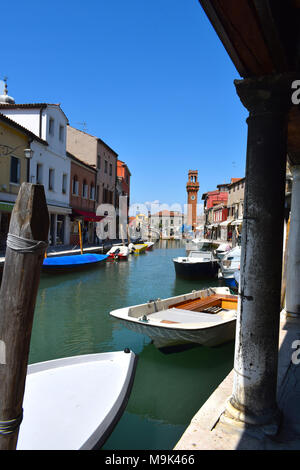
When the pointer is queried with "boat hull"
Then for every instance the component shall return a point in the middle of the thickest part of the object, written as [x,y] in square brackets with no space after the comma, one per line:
[196,270]
[118,257]
[169,337]
[72,263]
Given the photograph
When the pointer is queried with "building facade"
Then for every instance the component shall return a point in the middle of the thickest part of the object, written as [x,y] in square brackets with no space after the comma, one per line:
[49,164]
[122,189]
[15,144]
[96,153]
[82,201]
[168,223]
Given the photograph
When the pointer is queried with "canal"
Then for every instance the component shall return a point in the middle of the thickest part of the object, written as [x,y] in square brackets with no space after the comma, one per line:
[72,318]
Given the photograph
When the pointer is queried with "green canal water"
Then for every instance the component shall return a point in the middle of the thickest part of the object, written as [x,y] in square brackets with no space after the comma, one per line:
[72,318]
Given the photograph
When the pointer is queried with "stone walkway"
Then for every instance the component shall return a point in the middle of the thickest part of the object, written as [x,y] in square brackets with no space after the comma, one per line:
[209,430]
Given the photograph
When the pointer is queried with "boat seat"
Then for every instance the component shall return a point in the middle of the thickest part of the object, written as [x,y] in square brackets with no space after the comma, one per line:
[177,315]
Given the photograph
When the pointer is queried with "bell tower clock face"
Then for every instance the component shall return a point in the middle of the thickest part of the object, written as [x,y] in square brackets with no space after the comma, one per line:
[192,198]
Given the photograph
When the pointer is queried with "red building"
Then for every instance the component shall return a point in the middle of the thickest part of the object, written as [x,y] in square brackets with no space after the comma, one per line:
[82,200]
[218,196]
[220,213]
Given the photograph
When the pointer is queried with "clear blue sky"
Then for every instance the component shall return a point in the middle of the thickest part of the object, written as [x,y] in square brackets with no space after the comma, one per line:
[150,78]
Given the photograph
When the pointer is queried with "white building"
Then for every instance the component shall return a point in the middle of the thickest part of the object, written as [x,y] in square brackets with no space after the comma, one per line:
[49,165]
[168,223]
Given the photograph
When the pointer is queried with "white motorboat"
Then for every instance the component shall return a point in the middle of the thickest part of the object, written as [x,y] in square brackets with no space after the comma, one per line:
[197,265]
[74,403]
[222,250]
[229,265]
[205,317]
[118,252]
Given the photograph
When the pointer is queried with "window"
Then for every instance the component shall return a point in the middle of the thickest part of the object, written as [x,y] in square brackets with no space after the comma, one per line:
[75,186]
[92,192]
[51,179]
[39,173]
[64,183]
[97,192]
[105,166]
[98,162]
[15,170]
[110,169]
[61,133]
[84,189]
[51,126]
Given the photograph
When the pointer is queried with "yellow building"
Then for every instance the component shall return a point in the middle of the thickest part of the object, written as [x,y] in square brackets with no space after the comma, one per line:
[15,143]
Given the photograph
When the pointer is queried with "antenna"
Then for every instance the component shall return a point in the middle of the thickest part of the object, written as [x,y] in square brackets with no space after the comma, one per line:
[83,124]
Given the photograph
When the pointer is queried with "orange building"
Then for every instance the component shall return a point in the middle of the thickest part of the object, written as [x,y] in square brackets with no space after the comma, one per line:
[123,175]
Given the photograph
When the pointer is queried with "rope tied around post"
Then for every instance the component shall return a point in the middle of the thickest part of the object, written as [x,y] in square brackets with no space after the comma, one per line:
[10,426]
[24,245]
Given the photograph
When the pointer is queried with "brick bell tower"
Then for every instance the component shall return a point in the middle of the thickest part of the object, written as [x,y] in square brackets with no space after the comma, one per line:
[192,188]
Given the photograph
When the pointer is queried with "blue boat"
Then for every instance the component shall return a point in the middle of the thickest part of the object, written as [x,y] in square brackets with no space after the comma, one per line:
[72,263]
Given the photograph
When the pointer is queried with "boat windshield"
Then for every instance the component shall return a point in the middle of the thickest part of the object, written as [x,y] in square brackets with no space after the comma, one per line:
[204,246]
[195,254]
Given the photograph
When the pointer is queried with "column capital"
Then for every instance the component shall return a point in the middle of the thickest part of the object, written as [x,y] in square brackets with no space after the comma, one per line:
[266,95]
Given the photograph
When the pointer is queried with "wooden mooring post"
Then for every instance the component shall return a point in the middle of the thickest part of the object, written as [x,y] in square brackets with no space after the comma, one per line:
[26,245]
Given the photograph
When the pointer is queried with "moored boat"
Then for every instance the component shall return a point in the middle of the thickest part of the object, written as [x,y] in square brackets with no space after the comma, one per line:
[205,317]
[118,252]
[137,248]
[229,265]
[196,265]
[74,403]
[71,263]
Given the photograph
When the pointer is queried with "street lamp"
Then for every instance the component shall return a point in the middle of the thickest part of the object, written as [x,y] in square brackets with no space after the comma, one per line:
[28,154]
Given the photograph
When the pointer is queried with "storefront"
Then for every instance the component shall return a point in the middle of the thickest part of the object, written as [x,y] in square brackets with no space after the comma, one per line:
[88,222]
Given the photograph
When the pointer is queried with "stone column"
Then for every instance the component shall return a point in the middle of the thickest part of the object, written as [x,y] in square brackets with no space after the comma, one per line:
[293,267]
[256,351]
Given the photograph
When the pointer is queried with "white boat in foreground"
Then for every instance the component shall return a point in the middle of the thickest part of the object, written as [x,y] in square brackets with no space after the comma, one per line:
[74,403]
[204,317]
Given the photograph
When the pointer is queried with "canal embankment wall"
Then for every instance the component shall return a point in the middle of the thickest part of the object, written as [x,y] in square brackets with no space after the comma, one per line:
[210,430]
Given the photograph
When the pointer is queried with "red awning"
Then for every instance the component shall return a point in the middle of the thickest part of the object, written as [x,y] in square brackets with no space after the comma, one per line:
[88,216]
